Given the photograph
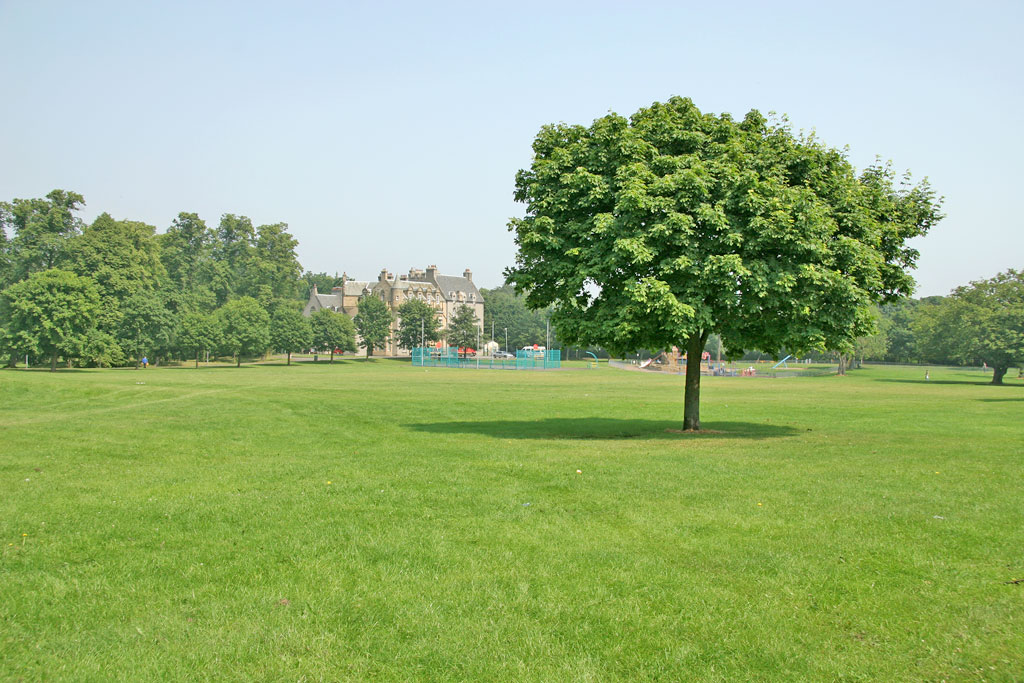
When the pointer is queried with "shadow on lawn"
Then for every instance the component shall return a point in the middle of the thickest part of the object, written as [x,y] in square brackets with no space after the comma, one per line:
[603,428]
[963,383]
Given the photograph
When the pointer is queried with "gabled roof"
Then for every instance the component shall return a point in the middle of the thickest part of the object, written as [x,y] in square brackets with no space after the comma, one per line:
[328,300]
[355,287]
[454,283]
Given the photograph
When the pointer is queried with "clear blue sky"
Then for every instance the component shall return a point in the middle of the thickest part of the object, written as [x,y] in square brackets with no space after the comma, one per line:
[389,134]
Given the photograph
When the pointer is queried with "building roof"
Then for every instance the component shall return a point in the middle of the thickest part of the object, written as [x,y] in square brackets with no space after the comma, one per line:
[328,300]
[454,283]
[355,287]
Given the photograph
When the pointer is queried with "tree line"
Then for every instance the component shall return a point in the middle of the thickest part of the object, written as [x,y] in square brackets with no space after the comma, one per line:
[109,292]
[113,291]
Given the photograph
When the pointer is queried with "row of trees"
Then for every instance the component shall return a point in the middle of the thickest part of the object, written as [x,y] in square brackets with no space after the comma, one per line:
[111,291]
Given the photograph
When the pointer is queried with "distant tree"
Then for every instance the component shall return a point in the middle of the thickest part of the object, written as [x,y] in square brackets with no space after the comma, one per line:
[324,283]
[464,330]
[102,350]
[122,257]
[41,231]
[245,328]
[274,263]
[186,250]
[417,324]
[290,331]
[332,331]
[980,322]
[898,320]
[198,332]
[373,322]
[147,327]
[50,313]
[872,346]
[504,309]
[663,228]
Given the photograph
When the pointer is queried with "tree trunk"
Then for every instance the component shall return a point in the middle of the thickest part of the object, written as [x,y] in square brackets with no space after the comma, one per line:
[842,365]
[691,399]
[197,360]
[53,363]
[289,358]
[332,355]
[239,359]
[997,373]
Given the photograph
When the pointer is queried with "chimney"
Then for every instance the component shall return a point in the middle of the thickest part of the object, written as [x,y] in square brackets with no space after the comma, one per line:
[383,275]
[468,274]
[337,290]
[314,289]
[431,273]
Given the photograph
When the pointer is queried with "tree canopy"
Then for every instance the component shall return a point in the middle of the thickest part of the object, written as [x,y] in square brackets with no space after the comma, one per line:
[373,322]
[505,310]
[50,312]
[463,331]
[290,331]
[244,328]
[332,331]
[663,228]
[417,324]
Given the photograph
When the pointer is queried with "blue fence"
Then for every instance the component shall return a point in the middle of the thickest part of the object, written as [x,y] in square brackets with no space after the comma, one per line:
[448,357]
[532,360]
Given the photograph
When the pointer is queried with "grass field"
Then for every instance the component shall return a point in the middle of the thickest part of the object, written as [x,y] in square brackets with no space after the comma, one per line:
[371,520]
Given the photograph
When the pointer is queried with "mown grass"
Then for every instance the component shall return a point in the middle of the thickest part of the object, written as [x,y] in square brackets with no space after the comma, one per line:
[371,520]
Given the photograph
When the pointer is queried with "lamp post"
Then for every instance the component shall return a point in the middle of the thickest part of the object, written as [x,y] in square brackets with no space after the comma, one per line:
[506,340]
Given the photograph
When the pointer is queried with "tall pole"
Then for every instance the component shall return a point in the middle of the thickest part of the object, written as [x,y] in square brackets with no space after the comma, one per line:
[506,340]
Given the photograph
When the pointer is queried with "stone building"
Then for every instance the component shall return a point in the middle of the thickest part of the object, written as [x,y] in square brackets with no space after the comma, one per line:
[444,293]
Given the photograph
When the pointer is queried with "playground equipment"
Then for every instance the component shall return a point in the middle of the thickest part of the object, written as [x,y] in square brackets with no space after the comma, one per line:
[782,363]
[449,357]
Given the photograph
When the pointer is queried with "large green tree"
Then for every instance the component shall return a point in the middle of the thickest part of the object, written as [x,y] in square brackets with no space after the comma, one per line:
[290,331]
[663,228]
[417,324]
[464,329]
[982,322]
[147,327]
[50,313]
[197,332]
[332,331]
[41,231]
[373,322]
[245,328]
[186,250]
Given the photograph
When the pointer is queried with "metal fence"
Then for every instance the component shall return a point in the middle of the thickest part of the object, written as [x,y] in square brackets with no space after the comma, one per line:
[448,357]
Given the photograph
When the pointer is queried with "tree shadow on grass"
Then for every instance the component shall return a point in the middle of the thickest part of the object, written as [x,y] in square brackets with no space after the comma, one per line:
[1000,400]
[963,383]
[603,428]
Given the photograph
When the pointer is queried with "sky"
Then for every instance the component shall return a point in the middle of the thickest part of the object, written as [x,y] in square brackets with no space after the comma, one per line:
[388,134]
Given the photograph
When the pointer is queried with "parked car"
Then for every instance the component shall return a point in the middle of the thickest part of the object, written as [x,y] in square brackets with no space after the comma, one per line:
[503,354]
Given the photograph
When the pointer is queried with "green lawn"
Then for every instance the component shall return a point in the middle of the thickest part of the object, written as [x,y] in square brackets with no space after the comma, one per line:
[371,520]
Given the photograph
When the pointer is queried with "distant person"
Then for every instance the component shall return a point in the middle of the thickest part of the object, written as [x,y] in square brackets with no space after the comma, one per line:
[927,376]
[145,362]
